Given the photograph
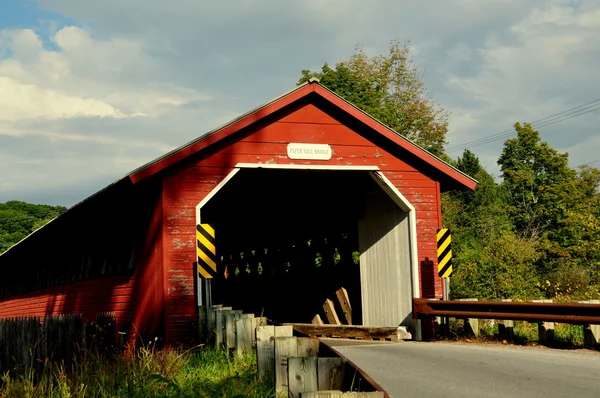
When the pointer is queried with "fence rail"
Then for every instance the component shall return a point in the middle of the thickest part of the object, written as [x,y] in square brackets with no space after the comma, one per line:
[574,313]
[28,341]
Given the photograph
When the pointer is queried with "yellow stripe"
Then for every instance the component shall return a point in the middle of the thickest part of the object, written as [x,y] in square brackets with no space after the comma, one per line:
[444,261]
[206,243]
[207,260]
[448,272]
[441,233]
[209,229]
[443,246]
[203,272]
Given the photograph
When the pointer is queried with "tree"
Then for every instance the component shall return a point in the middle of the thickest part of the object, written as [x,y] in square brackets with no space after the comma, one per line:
[538,181]
[553,203]
[389,88]
[19,219]
[490,262]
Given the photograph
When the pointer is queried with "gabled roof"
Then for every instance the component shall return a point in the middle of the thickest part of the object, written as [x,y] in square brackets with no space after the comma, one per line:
[452,174]
[312,86]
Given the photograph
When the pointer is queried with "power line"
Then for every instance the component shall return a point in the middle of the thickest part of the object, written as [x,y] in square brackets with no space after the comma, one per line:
[592,162]
[546,121]
[510,132]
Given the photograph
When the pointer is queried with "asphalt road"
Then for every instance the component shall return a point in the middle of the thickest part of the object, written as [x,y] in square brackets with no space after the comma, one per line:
[415,369]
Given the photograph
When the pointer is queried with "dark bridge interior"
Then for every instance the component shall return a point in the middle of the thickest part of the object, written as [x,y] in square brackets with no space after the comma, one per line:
[287,240]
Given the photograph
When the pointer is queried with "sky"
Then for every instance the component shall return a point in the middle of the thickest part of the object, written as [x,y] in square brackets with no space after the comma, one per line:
[90,90]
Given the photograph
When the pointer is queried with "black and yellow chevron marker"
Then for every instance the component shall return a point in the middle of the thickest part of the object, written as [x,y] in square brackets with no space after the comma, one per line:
[207,251]
[444,252]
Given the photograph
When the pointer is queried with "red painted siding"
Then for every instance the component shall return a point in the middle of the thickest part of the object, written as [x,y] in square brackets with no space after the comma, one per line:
[135,297]
[182,191]
[188,184]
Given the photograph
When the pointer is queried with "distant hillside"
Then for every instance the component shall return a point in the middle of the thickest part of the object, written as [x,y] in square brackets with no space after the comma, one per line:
[19,219]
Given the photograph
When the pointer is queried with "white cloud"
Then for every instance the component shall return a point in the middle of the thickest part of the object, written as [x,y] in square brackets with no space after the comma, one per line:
[27,101]
[135,79]
[544,66]
[116,72]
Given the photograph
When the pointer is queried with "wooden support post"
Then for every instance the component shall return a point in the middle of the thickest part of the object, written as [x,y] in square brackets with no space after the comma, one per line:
[308,347]
[220,317]
[243,333]
[203,330]
[353,331]
[339,394]
[330,373]
[471,327]
[330,313]
[256,322]
[545,329]
[210,322]
[265,352]
[322,394]
[285,348]
[317,320]
[591,333]
[230,322]
[302,375]
[265,348]
[342,296]
[506,327]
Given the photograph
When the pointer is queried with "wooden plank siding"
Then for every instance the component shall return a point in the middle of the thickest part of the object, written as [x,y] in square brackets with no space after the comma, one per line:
[188,184]
[135,295]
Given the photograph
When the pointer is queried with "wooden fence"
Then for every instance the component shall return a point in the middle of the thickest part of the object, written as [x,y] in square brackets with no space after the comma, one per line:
[27,341]
[296,366]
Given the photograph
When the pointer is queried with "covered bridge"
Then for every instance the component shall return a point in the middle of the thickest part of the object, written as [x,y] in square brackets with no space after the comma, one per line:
[277,209]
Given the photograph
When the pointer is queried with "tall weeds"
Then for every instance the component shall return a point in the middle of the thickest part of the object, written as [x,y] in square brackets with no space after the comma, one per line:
[143,372]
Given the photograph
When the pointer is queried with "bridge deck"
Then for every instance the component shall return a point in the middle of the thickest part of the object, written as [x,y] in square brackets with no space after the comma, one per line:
[413,369]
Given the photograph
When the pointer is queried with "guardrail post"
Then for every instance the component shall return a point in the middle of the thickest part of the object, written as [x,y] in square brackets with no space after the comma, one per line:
[591,333]
[506,326]
[545,329]
[471,327]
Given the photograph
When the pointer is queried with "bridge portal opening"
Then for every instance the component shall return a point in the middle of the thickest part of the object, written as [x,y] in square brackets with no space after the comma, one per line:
[288,239]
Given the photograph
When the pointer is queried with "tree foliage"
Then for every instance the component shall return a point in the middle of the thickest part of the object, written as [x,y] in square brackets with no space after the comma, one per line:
[389,88]
[19,219]
[535,233]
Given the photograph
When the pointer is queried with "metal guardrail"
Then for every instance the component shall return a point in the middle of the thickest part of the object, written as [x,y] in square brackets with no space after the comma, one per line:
[574,313]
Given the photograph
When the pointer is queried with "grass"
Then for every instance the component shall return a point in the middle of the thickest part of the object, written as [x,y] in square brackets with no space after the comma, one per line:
[566,336]
[144,373]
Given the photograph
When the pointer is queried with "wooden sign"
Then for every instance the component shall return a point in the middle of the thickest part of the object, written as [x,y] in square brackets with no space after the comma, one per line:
[309,151]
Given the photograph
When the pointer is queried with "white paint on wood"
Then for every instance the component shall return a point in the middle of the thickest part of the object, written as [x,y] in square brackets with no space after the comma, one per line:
[243,334]
[304,167]
[309,151]
[322,394]
[199,206]
[256,322]
[230,329]
[285,348]
[220,325]
[265,352]
[385,262]
[404,204]
[284,331]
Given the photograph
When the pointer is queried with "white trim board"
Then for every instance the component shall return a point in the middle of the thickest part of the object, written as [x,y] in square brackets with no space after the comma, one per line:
[304,167]
[389,188]
[384,183]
